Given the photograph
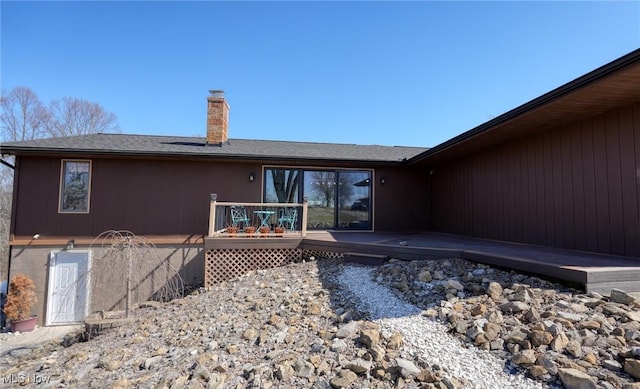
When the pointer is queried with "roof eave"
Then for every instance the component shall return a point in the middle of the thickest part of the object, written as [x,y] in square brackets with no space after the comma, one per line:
[539,102]
[42,151]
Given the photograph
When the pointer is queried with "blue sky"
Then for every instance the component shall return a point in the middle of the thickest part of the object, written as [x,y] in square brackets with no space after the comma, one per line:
[390,73]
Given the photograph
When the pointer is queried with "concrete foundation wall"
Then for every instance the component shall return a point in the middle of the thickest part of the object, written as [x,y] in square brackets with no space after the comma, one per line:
[33,262]
[152,272]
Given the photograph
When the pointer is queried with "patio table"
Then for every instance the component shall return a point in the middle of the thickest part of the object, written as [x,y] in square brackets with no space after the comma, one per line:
[264,216]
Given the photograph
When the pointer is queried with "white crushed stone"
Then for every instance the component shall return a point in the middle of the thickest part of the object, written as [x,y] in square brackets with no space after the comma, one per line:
[427,338]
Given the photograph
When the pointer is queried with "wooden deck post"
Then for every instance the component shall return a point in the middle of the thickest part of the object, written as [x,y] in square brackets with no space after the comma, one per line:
[212,214]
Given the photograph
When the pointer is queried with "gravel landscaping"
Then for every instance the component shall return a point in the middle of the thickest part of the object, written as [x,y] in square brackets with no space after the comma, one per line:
[324,324]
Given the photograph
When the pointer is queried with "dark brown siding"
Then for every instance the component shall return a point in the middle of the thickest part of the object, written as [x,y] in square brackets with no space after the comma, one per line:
[150,197]
[401,204]
[171,197]
[575,186]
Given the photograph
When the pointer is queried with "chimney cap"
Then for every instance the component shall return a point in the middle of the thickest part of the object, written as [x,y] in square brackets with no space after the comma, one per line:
[217,93]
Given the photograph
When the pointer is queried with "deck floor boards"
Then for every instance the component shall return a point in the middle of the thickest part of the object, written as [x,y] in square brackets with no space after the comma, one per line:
[596,272]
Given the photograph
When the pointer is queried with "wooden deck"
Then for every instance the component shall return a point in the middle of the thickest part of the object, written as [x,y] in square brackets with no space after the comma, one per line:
[594,272]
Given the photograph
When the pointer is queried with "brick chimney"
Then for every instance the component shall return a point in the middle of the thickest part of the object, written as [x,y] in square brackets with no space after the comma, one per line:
[217,118]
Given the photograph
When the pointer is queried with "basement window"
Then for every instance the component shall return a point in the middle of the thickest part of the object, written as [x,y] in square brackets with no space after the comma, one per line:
[75,186]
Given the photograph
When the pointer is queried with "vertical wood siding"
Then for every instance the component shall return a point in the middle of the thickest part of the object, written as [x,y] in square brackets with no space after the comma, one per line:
[398,203]
[171,197]
[147,197]
[576,187]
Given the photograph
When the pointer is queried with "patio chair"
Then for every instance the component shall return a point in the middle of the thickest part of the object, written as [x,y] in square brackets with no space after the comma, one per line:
[288,216]
[239,215]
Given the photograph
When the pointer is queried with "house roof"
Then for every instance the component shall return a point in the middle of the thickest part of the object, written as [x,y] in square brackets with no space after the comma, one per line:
[611,86]
[194,147]
[608,87]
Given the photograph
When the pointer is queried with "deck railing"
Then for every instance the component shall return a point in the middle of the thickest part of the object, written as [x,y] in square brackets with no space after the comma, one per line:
[244,220]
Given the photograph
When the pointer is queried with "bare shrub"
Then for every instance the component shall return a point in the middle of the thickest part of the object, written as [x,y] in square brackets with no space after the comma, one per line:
[125,262]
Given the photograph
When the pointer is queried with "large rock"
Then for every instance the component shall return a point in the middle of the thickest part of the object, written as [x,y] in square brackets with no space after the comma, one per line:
[321,384]
[284,371]
[622,297]
[590,358]
[589,324]
[151,363]
[369,337]
[377,352]
[575,379]
[396,340]
[532,316]
[539,338]
[303,368]
[249,334]
[516,336]
[522,296]
[494,290]
[474,331]
[358,365]
[537,371]
[343,379]
[525,357]
[549,364]
[495,317]
[612,365]
[491,331]
[451,383]
[216,381]
[572,317]
[453,284]
[574,348]
[425,276]
[632,367]
[514,307]
[559,342]
[348,330]
[633,315]
[478,310]
[338,345]
[407,368]
[201,372]
[429,375]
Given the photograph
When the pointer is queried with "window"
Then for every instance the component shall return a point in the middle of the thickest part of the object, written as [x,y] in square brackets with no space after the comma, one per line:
[337,198]
[281,185]
[75,186]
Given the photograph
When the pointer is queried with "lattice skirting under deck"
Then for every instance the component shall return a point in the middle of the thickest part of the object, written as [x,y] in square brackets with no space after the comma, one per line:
[225,264]
[320,254]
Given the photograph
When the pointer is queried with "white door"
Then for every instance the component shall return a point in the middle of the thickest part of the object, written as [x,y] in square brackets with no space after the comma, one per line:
[68,300]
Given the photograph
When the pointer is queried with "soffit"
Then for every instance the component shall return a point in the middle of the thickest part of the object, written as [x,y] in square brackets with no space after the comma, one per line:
[549,111]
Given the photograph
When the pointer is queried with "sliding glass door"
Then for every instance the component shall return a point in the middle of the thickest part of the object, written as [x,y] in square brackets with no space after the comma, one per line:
[337,199]
[319,188]
[353,194]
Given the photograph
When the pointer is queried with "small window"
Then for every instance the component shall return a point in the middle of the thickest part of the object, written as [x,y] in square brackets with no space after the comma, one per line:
[75,186]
